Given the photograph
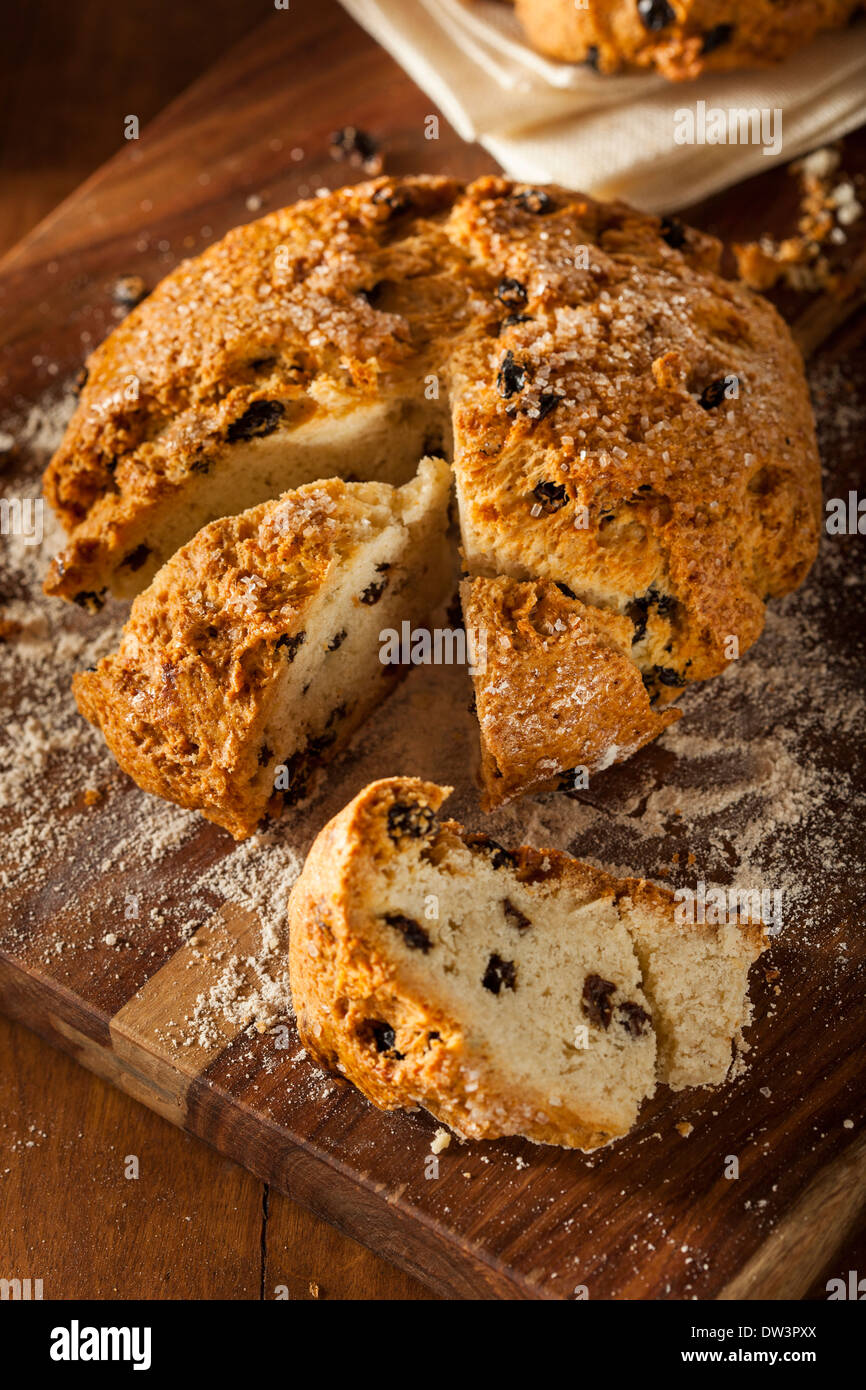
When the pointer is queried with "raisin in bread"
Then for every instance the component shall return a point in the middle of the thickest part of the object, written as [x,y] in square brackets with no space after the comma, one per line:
[505,992]
[594,709]
[254,653]
[679,38]
[623,420]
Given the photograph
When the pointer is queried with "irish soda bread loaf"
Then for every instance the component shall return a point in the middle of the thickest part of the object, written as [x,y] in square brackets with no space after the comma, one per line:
[505,992]
[623,422]
[680,38]
[254,653]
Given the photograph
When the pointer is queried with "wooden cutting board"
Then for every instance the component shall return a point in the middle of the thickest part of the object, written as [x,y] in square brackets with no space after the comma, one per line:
[657,1216]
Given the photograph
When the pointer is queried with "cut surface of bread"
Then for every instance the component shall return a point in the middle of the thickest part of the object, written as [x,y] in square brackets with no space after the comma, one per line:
[506,992]
[537,642]
[255,652]
[697,977]
[379,441]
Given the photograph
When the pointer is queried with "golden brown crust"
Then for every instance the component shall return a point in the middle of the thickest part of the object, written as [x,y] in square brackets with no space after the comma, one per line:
[273,317]
[183,702]
[555,688]
[647,432]
[679,38]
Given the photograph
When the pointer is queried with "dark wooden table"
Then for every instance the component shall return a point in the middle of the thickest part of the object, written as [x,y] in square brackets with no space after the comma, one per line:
[194,1225]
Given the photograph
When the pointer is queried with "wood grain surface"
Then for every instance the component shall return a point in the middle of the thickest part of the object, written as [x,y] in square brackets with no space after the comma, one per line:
[653,1217]
[72,73]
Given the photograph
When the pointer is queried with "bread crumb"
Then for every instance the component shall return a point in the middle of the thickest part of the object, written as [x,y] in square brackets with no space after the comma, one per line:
[828,203]
[441,1139]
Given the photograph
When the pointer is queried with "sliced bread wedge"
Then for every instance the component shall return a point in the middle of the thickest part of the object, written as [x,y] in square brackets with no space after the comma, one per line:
[255,652]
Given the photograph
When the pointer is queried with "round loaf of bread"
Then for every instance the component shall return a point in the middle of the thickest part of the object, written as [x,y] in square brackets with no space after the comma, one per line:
[624,422]
[679,38]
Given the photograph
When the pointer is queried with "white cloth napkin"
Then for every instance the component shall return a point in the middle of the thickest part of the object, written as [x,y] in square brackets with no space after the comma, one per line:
[614,136]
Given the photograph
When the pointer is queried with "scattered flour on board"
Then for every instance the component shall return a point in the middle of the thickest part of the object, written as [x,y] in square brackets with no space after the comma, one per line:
[755,786]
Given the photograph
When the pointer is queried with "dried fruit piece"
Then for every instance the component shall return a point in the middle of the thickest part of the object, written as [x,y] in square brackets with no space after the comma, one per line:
[514,916]
[136,558]
[535,200]
[500,857]
[673,232]
[394,202]
[666,675]
[371,295]
[550,496]
[547,401]
[715,393]
[90,600]
[512,319]
[595,1000]
[411,931]
[511,376]
[638,610]
[383,1036]
[716,37]
[356,146]
[633,1018]
[655,15]
[259,419]
[374,592]
[500,974]
[511,293]
[291,644]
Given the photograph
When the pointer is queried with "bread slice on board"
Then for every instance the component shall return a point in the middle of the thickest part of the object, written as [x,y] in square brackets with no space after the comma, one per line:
[255,652]
[506,992]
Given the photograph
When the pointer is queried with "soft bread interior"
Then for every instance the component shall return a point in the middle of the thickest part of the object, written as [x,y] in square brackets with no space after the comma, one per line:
[696,976]
[381,441]
[334,676]
[509,963]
